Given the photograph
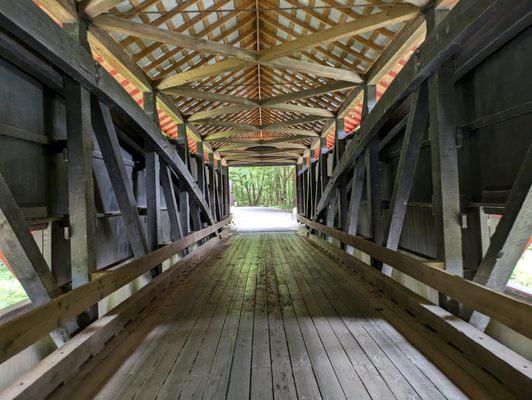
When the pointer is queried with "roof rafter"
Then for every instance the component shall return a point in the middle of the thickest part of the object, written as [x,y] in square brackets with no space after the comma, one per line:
[273,56]
[329,88]
[361,25]
[147,31]
[93,8]
[199,94]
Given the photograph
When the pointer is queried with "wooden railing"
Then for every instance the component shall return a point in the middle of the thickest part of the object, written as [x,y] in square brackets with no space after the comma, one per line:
[26,329]
[512,312]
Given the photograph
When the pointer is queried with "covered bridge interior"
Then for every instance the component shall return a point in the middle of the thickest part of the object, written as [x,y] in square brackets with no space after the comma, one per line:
[408,124]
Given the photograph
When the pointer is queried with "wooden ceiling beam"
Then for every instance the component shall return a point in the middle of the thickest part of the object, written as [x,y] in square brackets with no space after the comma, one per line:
[224,124]
[307,27]
[413,33]
[103,44]
[199,94]
[215,112]
[262,142]
[215,137]
[165,19]
[281,63]
[93,8]
[292,131]
[371,22]
[353,14]
[265,162]
[186,56]
[286,139]
[132,28]
[261,152]
[323,101]
[297,121]
[204,71]
[192,106]
[302,110]
[329,88]
[251,158]
[314,69]
[311,54]
[284,145]
[147,31]
[299,80]
[63,10]
[247,154]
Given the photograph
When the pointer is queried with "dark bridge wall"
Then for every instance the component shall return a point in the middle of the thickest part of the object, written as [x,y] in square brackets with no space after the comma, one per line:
[35,166]
[496,151]
[489,157]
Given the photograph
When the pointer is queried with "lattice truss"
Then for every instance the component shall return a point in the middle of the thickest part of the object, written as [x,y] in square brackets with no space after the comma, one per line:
[260,64]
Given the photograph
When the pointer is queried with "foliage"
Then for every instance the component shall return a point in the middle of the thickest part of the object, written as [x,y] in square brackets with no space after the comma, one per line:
[11,290]
[263,186]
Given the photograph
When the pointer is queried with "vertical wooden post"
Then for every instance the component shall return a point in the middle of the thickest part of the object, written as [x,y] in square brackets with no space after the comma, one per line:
[305,186]
[220,187]
[224,194]
[201,167]
[153,198]
[184,200]
[299,188]
[321,173]
[195,213]
[219,192]
[324,153]
[445,181]
[153,193]
[341,196]
[212,185]
[312,185]
[82,210]
[339,139]
[81,206]
[309,188]
[228,187]
[374,191]
[373,177]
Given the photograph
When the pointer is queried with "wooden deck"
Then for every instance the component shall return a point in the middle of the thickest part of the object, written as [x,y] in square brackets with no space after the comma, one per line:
[268,317]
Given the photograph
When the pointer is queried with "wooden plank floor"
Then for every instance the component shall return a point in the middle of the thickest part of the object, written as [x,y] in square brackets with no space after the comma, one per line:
[268,317]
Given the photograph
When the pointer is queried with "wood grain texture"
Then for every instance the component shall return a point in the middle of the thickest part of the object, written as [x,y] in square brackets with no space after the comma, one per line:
[271,317]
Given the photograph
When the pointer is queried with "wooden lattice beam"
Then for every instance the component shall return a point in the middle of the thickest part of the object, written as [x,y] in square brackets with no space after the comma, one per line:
[199,94]
[147,31]
[329,88]
[339,32]
[93,8]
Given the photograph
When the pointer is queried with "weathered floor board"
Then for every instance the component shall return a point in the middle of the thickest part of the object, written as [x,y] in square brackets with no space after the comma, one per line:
[271,317]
